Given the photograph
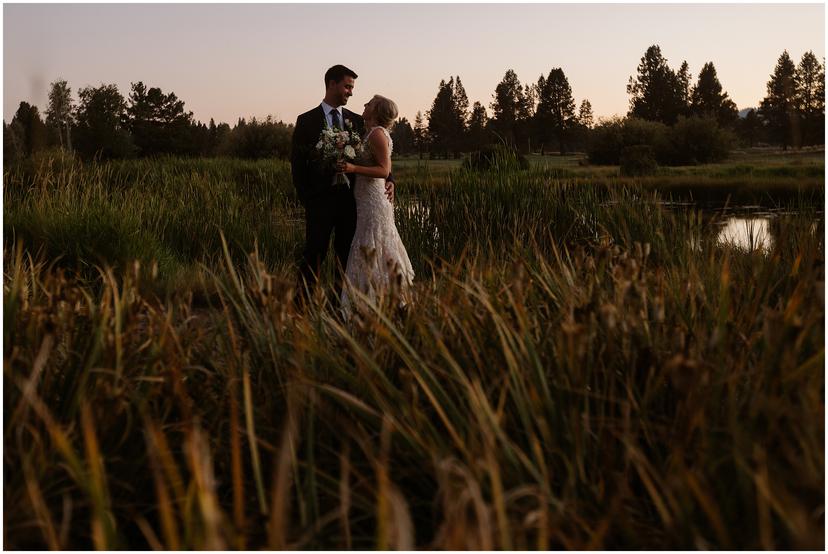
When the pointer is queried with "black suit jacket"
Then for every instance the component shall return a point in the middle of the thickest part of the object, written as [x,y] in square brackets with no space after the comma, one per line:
[312,178]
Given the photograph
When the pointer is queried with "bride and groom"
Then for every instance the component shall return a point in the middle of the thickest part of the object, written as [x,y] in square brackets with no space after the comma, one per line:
[360,216]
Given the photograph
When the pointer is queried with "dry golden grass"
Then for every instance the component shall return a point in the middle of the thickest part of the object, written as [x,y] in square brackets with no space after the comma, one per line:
[579,369]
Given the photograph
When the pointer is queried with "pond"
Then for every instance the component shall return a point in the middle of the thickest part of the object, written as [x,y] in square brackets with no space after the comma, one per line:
[747,227]
[746,233]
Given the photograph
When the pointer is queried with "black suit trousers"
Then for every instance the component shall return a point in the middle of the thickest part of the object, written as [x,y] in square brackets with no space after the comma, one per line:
[331,213]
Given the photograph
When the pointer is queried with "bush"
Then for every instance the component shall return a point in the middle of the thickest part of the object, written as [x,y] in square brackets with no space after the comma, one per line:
[691,140]
[605,142]
[610,137]
[639,132]
[698,140]
[256,140]
[638,160]
[498,157]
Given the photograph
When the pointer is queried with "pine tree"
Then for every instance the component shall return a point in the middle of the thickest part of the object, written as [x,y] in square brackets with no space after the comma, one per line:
[585,118]
[510,109]
[460,102]
[440,119]
[477,127]
[420,134]
[750,128]
[59,112]
[684,77]
[555,115]
[29,129]
[403,136]
[709,100]
[778,108]
[537,89]
[157,121]
[656,91]
[810,102]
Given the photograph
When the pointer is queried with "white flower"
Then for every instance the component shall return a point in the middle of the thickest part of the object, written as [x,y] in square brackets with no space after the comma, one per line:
[350,152]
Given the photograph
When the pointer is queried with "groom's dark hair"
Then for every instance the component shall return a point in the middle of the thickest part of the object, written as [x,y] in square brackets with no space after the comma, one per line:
[337,73]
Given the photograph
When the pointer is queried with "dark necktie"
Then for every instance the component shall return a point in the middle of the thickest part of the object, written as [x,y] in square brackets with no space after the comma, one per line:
[335,119]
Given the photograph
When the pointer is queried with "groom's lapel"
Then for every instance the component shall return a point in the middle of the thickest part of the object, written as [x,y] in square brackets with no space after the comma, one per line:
[322,119]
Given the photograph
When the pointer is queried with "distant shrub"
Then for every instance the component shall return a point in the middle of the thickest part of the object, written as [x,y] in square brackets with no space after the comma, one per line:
[690,141]
[640,132]
[605,142]
[638,160]
[495,157]
[255,140]
[698,140]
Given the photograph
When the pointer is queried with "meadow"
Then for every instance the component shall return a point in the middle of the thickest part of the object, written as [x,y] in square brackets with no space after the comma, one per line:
[580,368]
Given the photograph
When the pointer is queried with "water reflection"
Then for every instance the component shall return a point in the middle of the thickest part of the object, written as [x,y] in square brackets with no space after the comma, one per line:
[746,233]
[751,228]
[420,214]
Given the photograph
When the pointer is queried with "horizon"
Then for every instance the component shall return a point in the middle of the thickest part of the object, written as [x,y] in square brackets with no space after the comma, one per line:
[209,49]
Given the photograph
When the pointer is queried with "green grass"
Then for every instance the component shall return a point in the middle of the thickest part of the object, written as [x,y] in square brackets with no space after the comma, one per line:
[580,368]
[749,176]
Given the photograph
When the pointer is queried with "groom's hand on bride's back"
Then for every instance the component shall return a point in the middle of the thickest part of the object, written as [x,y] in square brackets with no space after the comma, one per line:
[389,189]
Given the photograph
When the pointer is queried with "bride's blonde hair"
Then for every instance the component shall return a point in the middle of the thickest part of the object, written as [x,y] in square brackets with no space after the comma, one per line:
[385,110]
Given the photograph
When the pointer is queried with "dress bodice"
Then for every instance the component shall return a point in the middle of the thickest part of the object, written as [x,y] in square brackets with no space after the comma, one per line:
[367,156]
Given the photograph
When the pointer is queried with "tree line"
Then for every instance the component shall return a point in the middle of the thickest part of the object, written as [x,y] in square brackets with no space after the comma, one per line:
[541,115]
[105,125]
[668,112]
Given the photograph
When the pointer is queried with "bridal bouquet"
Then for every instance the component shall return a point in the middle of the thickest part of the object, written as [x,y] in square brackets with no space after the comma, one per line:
[337,145]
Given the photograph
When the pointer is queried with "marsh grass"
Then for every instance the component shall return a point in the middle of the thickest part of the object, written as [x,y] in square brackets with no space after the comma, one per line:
[580,368]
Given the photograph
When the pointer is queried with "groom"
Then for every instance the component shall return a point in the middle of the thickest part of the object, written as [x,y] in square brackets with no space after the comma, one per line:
[328,208]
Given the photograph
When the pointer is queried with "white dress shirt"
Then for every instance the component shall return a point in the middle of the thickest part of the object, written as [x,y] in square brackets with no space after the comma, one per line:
[327,109]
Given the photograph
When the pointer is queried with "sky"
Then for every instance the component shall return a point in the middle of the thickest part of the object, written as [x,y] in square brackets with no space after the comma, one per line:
[228,60]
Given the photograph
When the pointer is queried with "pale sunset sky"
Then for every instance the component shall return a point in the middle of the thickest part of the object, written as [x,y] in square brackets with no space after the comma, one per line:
[228,61]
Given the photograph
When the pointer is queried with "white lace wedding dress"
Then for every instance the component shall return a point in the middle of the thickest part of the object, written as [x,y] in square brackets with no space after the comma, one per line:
[378,263]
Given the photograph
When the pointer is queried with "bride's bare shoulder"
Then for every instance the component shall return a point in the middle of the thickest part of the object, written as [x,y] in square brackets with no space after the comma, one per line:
[378,136]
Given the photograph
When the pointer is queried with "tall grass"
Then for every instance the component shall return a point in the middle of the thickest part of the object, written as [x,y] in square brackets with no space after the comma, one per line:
[579,369]
[169,212]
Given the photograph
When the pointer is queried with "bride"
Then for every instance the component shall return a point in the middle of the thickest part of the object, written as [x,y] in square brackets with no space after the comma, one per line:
[377,263]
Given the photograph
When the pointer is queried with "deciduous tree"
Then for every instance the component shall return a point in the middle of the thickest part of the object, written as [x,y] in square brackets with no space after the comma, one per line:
[100,117]
[59,112]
